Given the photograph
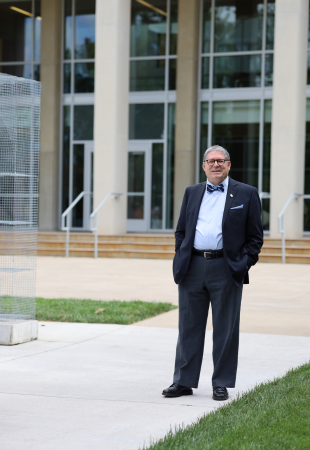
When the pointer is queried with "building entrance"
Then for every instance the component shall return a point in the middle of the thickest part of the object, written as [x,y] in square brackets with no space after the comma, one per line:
[82,180]
[145,186]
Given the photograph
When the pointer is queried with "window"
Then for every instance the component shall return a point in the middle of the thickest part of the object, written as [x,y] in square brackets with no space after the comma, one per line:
[20,38]
[79,47]
[235,88]
[153,58]
[238,54]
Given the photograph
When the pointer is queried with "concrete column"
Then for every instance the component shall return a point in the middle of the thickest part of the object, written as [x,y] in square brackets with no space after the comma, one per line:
[186,105]
[288,114]
[51,11]
[111,112]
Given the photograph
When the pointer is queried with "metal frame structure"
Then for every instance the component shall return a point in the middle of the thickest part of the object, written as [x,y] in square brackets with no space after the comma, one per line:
[19,177]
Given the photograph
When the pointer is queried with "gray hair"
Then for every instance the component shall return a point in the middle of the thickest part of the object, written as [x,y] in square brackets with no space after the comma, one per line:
[216,148]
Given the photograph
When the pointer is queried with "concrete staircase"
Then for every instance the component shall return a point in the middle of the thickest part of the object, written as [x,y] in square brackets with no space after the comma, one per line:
[153,246]
[150,246]
[296,251]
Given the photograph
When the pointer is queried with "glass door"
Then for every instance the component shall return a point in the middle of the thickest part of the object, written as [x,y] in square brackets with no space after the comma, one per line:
[145,199]
[138,186]
[82,180]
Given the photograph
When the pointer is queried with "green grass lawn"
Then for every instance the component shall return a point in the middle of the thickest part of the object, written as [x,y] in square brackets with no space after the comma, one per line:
[93,311]
[273,416]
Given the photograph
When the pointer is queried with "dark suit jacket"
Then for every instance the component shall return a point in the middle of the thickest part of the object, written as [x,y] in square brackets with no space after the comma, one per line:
[242,230]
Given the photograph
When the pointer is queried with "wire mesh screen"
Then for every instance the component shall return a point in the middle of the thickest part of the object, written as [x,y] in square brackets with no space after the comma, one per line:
[19,170]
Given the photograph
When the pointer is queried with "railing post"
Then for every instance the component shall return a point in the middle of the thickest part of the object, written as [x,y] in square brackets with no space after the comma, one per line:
[283,240]
[67,240]
[96,239]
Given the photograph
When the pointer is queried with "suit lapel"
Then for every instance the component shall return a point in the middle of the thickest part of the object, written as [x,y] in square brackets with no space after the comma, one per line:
[231,193]
[198,198]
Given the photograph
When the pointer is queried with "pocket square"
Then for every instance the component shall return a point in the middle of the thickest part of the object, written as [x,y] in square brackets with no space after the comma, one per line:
[237,207]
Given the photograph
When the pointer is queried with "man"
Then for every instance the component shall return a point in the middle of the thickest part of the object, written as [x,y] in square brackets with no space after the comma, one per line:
[218,238]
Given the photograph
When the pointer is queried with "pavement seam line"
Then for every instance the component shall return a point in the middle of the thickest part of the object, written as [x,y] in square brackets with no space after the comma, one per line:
[105,400]
[59,348]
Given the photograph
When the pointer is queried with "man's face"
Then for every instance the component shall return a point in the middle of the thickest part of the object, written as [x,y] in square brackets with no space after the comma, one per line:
[216,173]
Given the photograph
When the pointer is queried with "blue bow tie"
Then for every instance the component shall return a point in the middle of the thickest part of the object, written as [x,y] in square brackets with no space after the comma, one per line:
[211,188]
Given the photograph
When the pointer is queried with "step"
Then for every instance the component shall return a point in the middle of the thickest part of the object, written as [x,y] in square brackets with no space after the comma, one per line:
[112,245]
[89,237]
[88,252]
[296,250]
[294,259]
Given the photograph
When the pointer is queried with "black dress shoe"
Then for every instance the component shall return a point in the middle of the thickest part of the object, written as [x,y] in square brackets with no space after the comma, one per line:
[220,393]
[176,390]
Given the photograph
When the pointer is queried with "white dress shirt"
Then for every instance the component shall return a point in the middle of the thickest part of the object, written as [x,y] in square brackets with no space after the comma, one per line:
[208,234]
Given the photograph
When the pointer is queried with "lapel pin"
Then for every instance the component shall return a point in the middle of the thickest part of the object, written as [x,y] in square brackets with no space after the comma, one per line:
[231,195]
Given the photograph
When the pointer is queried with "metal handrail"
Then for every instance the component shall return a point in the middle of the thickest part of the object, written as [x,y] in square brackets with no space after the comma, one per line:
[94,214]
[65,216]
[281,220]
[264,195]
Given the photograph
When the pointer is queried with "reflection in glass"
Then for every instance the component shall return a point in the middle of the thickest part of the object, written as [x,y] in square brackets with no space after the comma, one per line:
[16,31]
[84,77]
[24,71]
[135,207]
[266,214]
[68,30]
[308,69]
[238,25]
[266,162]
[148,28]
[204,131]
[83,123]
[67,78]
[65,157]
[237,71]
[205,78]
[236,128]
[170,166]
[37,72]
[307,170]
[78,184]
[267,145]
[37,30]
[146,121]
[157,186]
[173,27]
[206,26]
[270,24]
[172,74]
[136,168]
[85,29]
[147,75]
[269,69]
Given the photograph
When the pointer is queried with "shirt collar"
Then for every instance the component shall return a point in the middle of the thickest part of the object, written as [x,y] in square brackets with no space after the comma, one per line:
[225,183]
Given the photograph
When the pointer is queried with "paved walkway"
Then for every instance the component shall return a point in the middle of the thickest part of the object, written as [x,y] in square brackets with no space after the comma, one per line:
[89,386]
[82,386]
[277,300]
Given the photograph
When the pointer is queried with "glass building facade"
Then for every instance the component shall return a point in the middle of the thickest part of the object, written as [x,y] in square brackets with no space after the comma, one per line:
[234,92]
[78,85]
[235,88]
[20,38]
[153,53]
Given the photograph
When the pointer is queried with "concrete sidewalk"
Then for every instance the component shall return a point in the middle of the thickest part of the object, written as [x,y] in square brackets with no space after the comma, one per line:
[84,386]
[277,300]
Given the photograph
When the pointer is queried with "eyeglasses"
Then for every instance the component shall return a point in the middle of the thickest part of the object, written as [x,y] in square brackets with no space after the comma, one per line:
[211,162]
